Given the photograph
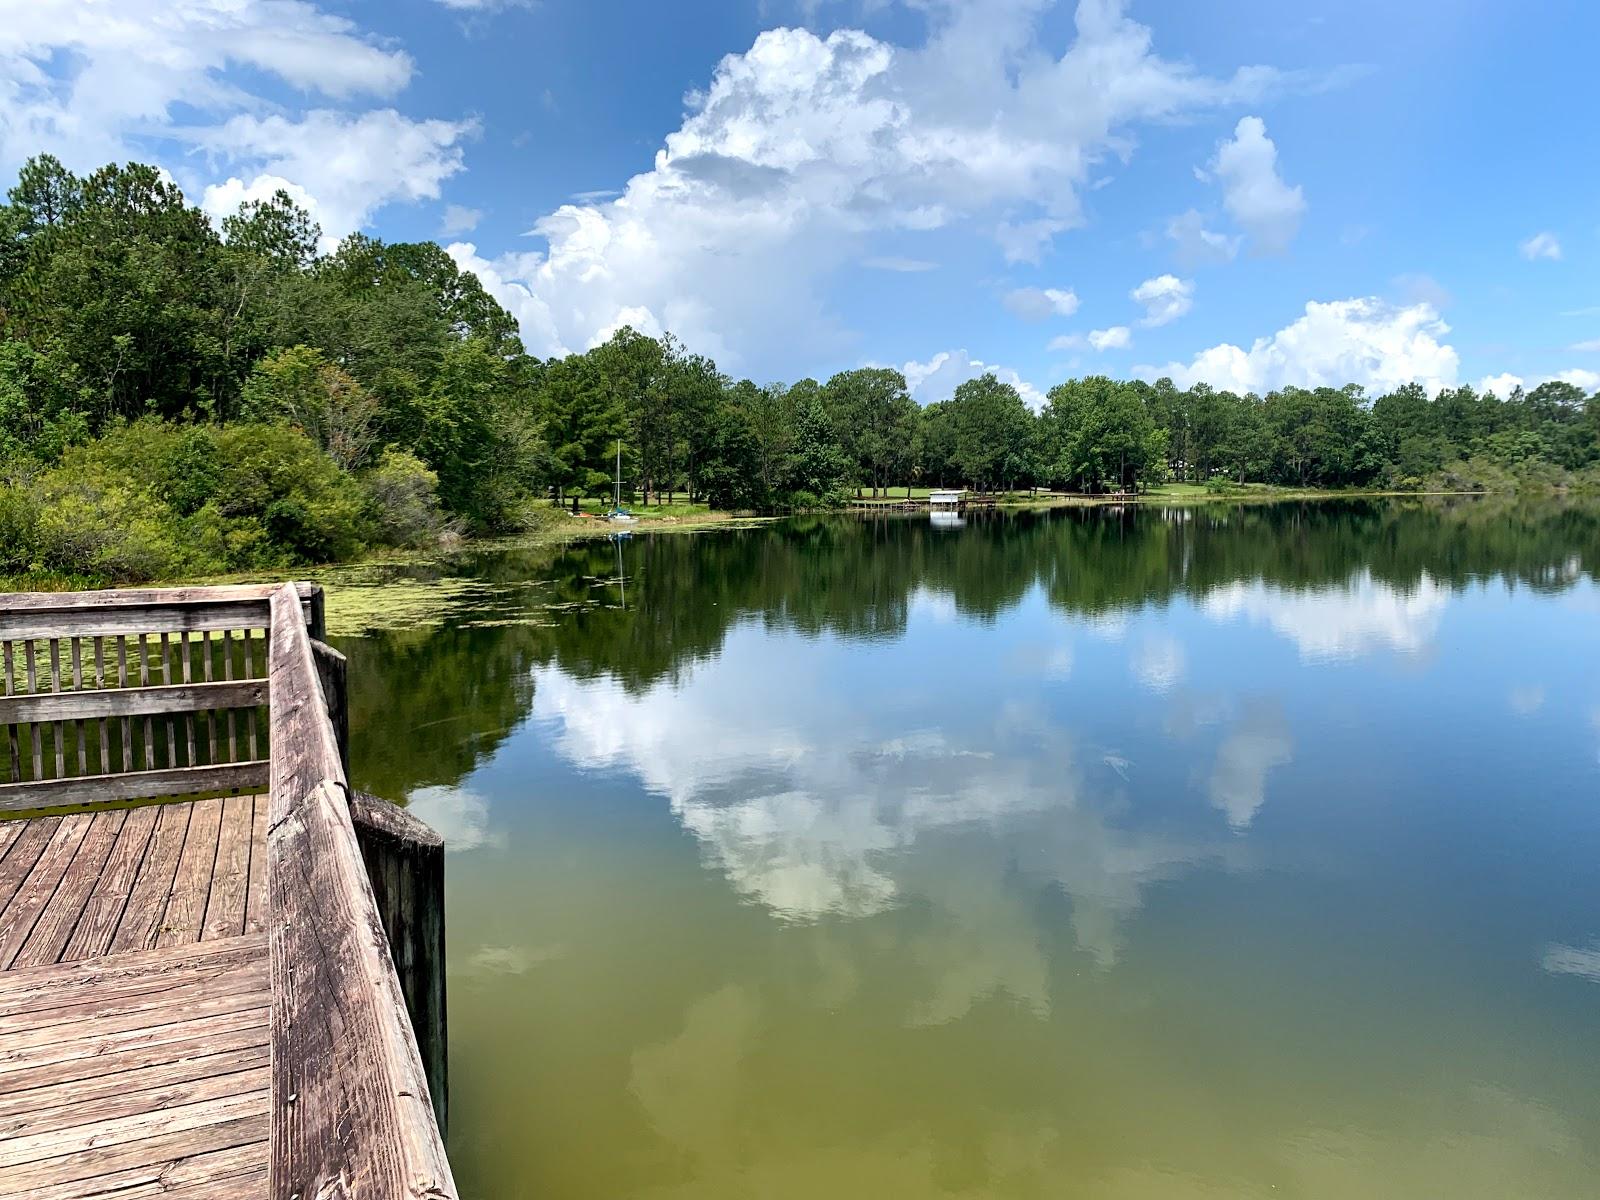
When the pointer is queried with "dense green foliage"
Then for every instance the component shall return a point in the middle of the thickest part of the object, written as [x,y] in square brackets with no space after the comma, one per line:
[180,397]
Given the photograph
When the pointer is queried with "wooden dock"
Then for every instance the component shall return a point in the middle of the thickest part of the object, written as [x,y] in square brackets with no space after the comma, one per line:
[199,923]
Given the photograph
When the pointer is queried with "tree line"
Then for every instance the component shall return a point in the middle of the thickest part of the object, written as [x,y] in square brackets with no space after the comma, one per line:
[180,395]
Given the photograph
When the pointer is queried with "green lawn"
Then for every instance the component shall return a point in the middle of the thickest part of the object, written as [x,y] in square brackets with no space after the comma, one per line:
[678,508]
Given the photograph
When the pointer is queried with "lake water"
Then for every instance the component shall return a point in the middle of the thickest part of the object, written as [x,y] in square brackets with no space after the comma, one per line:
[1208,852]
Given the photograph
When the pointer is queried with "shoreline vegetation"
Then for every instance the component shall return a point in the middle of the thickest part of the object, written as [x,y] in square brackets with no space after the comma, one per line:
[185,398]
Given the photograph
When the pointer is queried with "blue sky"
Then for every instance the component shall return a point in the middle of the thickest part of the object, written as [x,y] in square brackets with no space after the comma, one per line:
[1249,193]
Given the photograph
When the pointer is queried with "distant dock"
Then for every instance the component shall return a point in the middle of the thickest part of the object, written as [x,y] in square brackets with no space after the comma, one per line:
[960,501]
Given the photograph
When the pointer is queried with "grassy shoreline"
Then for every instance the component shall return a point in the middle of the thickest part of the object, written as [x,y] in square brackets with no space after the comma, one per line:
[560,527]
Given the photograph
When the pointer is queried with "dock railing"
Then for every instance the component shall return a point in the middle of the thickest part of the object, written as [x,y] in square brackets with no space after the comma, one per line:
[132,695]
[150,694]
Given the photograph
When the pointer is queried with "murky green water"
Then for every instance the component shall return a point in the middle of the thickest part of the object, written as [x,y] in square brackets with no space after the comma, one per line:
[1222,852]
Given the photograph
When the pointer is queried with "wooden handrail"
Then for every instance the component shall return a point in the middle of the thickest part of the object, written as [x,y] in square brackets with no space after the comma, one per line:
[351,1116]
[166,684]
[123,597]
[45,615]
[132,702]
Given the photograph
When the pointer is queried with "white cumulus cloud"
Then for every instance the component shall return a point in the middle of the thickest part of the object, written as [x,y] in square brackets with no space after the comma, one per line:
[939,377]
[1165,298]
[350,165]
[1501,385]
[1581,377]
[1541,245]
[802,148]
[1118,337]
[1196,245]
[1364,341]
[459,219]
[1255,195]
[93,83]
[1037,304]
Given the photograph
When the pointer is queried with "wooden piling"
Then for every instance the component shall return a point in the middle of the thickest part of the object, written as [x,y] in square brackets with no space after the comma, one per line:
[333,671]
[405,861]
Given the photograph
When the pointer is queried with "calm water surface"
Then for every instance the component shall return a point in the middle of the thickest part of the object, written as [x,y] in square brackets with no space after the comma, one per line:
[1221,852]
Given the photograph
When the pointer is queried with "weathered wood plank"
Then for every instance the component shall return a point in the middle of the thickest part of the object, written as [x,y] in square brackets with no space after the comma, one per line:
[98,922]
[147,902]
[41,1043]
[132,702]
[23,854]
[77,1140]
[137,785]
[52,1107]
[191,883]
[234,1173]
[39,1180]
[22,913]
[53,930]
[81,1119]
[230,880]
[255,905]
[132,1054]
[65,1016]
[80,1059]
[127,973]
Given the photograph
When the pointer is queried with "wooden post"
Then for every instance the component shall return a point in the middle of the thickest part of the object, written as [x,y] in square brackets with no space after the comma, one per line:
[333,671]
[405,861]
[314,599]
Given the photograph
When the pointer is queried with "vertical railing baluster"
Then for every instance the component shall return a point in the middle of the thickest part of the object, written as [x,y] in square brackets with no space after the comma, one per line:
[250,673]
[60,727]
[189,718]
[149,721]
[211,713]
[12,743]
[166,679]
[105,722]
[227,673]
[77,686]
[30,657]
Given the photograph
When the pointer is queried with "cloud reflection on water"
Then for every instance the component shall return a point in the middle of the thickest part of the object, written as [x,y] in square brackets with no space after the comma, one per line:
[1332,624]
[816,810]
